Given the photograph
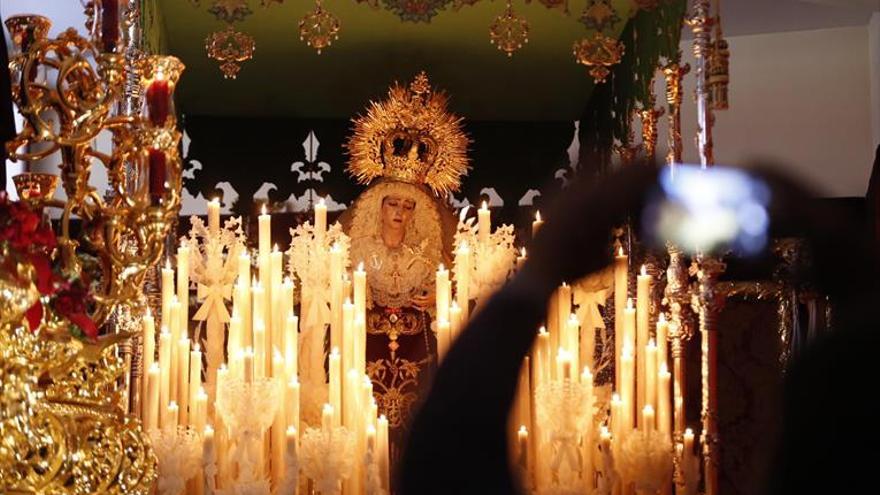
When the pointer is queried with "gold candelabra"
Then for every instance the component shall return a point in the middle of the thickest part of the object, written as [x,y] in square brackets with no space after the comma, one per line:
[62,424]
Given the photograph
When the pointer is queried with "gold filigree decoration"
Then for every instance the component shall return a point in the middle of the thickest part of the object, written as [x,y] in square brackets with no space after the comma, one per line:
[395,382]
[230,48]
[650,116]
[598,53]
[509,31]
[599,15]
[230,10]
[319,28]
[411,137]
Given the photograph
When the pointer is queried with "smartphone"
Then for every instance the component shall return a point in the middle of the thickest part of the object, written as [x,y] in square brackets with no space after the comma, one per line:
[711,211]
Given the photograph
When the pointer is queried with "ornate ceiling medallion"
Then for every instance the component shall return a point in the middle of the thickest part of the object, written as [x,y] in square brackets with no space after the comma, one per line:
[319,28]
[230,48]
[509,32]
[599,15]
[230,11]
[598,53]
[416,10]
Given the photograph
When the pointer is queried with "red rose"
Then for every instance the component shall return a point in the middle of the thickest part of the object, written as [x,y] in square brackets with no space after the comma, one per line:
[35,315]
[85,323]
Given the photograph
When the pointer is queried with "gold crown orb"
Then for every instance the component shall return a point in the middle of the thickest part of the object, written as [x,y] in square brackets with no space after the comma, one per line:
[410,137]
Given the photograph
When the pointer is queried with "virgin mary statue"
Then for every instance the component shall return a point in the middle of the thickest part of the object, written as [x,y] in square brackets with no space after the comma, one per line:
[411,152]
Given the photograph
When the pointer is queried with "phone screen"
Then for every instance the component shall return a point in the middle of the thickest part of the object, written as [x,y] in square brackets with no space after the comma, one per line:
[709,210]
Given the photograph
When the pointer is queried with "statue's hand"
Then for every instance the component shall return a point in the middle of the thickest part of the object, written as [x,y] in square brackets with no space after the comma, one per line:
[423,302]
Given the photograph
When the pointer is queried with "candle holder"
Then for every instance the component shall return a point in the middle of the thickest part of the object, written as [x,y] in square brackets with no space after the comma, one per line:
[309,262]
[213,268]
[62,115]
[36,188]
[645,458]
[328,457]
[248,409]
[179,450]
[565,408]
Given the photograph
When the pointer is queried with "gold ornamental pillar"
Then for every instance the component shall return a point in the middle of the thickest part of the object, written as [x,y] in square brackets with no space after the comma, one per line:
[708,303]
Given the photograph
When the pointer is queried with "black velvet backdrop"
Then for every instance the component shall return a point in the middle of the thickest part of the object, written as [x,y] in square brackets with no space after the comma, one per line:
[512,157]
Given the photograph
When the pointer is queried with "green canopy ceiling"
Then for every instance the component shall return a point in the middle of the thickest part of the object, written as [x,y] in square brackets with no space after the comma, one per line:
[375,47]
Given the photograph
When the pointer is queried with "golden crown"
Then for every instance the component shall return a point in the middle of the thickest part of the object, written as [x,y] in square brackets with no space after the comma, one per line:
[411,137]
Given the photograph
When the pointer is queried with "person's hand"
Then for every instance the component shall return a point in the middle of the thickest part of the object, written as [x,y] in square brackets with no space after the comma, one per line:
[574,241]
[423,302]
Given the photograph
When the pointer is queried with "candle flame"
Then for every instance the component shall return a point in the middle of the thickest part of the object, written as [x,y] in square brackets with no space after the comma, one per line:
[586,373]
[167,263]
[328,409]
[615,397]
[275,248]
[463,248]
[648,409]
[197,348]
[209,431]
[543,331]
[294,381]
[652,343]
[335,352]
[454,306]
[441,268]
[263,209]
[291,431]
[538,216]
[523,431]
[664,369]
[688,432]
[360,266]
[644,271]
[154,369]
[629,303]
[322,203]
[620,250]
[522,252]
[661,318]
[485,206]
[215,200]
[149,312]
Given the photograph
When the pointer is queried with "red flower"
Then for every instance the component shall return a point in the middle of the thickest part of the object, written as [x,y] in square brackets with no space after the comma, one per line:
[85,324]
[35,315]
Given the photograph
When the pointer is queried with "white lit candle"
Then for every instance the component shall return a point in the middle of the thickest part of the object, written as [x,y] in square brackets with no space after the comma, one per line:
[291,344]
[536,224]
[521,259]
[260,350]
[173,415]
[248,365]
[335,385]
[360,290]
[484,223]
[292,402]
[336,297]
[648,418]
[167,293]
[348,361]
[214,217]
[320,219]
[662,342]
[244,269]
[183,286]
[174,361]
[265,232]
[382,434]
[151,403]
[164,374]
[620,297]
[643,314]
[327,414]
[443,293]
[454,321]
[183,392]
[651,374]
[148,335]
[195,379]
[523,449]
[462,281]
[664,424]
[443,339]
[200,410]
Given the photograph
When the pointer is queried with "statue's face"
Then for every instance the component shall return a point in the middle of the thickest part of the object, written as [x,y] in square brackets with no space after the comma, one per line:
[397,211]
